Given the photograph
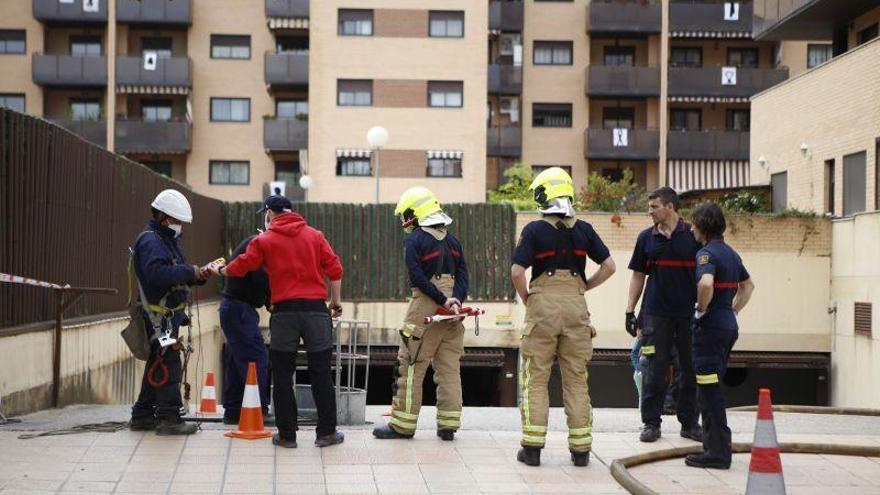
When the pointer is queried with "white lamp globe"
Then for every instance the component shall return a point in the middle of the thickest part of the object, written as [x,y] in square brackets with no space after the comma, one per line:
[377,136]
[305,182]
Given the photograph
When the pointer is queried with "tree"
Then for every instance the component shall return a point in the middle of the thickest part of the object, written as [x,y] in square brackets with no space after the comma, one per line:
[516,190]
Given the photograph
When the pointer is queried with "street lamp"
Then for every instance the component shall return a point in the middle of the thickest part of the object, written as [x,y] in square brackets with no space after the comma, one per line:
[377,137]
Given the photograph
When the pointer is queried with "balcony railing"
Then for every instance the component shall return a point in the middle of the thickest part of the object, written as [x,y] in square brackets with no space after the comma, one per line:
[622,80]
[174,12]
[285,134]
[287,69]
[622,17]
[504,141]
[173,71]
[69,70]
[287,8]
[505,16]
[695,16]
[714,82]
[622,144]
[505,79]
[76,11]
[94,131]
[139,136]
[707,145]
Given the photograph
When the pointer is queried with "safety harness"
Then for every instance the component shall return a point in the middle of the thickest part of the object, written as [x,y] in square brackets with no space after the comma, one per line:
[565,255]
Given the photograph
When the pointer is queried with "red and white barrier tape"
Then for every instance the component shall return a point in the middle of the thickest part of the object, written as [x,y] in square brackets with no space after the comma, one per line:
[15,279]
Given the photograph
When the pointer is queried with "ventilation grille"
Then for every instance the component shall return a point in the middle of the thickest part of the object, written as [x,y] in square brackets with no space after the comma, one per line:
[862,318]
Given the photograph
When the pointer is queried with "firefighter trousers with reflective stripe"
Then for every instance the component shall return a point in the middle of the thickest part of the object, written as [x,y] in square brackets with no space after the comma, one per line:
[711,349]
[557,326]
[438,344]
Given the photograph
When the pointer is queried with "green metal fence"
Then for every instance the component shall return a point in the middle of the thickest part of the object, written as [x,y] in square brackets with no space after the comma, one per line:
[369,240]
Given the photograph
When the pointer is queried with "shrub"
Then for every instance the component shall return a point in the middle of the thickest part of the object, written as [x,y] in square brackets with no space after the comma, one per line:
[603,194]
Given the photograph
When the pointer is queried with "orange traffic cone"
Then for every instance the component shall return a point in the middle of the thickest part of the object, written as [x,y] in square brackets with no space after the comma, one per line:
[250,423]
[765,469]
[209,396]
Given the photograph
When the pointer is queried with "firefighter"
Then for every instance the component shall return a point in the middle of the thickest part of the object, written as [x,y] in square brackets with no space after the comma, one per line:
[723,290]
[438,275]
[557,323]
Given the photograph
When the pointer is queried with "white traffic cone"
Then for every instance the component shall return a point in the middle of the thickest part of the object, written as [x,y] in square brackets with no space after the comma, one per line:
[765,468]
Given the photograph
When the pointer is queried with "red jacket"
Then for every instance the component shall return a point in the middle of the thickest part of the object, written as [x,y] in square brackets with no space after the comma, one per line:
[296,256]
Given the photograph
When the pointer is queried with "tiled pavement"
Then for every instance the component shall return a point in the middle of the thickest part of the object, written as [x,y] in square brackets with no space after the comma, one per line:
[479,461]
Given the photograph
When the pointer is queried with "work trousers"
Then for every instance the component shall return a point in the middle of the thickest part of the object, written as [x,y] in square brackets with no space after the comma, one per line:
[162,398]
[711,350]
[240,323]
[659,335]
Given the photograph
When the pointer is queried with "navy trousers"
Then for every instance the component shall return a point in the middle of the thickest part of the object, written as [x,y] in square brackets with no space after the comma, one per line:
[712,348]
[244,344]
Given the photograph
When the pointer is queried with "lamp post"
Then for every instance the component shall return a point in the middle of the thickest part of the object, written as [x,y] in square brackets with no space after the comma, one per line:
[377,137]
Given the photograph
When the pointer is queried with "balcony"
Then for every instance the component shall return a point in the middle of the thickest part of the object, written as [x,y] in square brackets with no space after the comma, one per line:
[69,70]
[289,9]
[622,81]
[707,145]
[619,17]
[155,12]
[638,144]
[707,81]
[94,11]
[94,131]
[505,79]
[704,17]
[173,71]
[287,69]
[505,16]
[138,136]
[504,141]
[285,134]
[783,20]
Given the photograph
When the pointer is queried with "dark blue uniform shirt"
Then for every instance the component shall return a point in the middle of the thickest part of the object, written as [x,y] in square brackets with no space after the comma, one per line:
[426,257]
[720,260]
[160,265]
[251,289]
[671,290]
[545,248]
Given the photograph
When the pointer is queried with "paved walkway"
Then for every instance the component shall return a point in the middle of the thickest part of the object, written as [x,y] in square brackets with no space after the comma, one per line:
[481,460]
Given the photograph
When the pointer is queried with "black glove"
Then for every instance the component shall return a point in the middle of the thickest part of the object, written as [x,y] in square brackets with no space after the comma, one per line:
[631,324]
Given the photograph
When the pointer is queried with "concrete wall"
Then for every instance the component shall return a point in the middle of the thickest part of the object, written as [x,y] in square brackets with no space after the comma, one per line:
[855,362]
[96,365]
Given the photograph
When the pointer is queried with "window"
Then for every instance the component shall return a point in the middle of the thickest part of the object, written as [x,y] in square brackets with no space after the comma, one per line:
[230,46]
[12,41]
[162,46]
[867,34]
[686,56]
[446,24]
[12,102]
[156,110]
[230,109]
[685,119]
[354,167]
[352,93]
[818,54]
[618,117]
[355,22]
[854,183]
[779,192]
[744,58]
[551,115]
[619,55]
[230,173]
[552,53]
[445,94]
[537,169]
[738,119]
[163,168]
[85,109]
[444,167]
[613,174]
[292,44]
[829,186]
[291,109]
[85,46]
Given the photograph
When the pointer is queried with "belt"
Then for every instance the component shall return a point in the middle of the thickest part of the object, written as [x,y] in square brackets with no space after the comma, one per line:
[239,300]
[300,305]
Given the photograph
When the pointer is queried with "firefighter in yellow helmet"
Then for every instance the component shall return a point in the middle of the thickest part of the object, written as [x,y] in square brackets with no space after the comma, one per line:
[557,323]
[439,278]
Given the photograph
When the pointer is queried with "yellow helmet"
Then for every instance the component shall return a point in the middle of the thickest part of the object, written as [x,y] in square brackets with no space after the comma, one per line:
[552,183]
[419,201]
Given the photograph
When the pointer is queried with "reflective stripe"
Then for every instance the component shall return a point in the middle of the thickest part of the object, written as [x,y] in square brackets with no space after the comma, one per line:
[533,440]
[673,263]
[403,425]
[449,422]
[409,383]
[535,429]
[707,379]
[576,432]
[449,414]
[726,285]
[404,415]
[544,254]
[580,441]
[526,377]
[162,310]
[648,350]
[251,397]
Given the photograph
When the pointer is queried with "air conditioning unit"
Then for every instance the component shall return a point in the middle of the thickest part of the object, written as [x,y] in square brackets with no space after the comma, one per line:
[507,42]
[509,105]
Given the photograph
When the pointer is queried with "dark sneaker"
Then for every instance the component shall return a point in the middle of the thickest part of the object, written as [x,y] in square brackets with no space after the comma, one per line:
[530,456]
[649,434]
[176,427]
[268,420]
[705,461]
[580,459]
[287,443]
[142,424]
[446,435]
[332,439]
[694,433]
[386,432]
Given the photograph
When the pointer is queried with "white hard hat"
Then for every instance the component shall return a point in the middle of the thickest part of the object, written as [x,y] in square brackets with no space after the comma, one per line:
[173,204]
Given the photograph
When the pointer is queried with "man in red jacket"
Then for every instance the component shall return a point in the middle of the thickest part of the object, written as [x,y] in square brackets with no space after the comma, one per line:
[298,259]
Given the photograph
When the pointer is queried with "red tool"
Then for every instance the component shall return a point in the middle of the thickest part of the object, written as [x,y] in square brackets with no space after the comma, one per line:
[444,314]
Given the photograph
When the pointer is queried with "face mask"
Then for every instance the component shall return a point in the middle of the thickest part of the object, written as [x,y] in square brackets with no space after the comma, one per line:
[177,228]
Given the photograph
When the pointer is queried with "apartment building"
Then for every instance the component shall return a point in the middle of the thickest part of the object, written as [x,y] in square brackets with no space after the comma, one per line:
[237,98]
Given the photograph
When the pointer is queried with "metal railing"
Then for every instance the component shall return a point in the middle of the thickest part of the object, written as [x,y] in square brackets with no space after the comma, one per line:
[285,134]
[622,80]
[619,16]
[504,141]
[287,69]
[175,12]
[709,81]
[707,145]
[287,8]
[638,144]
[73,11]
[69,70]
[174,71]
[139,136]
[505,79]
[505,15]
[708,16]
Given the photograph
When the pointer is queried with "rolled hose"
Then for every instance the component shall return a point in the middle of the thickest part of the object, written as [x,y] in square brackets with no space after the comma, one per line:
[620,472]
[846,411]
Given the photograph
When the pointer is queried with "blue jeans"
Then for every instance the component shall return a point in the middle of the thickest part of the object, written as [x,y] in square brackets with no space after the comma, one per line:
[244,344]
